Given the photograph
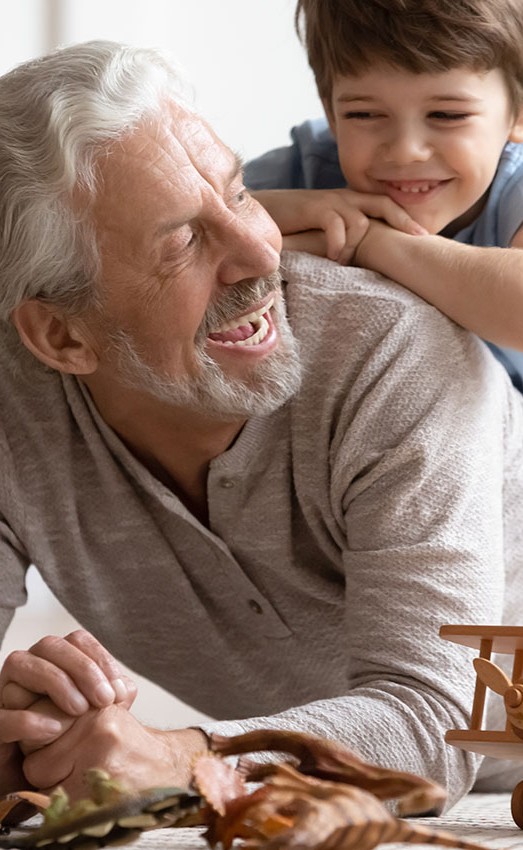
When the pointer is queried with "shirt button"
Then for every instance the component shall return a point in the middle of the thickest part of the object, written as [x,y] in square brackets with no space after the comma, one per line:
[255,606]
[226,483]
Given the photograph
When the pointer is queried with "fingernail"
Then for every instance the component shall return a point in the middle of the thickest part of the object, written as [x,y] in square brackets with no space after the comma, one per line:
[52,727]
[418,230]
[120,689]
[104,693]
[79,703]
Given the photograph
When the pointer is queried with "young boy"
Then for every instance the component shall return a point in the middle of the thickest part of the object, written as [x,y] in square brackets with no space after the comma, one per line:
[418,173]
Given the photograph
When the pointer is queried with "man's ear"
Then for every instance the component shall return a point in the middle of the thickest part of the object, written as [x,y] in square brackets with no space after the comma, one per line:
[516,133]
[54,338]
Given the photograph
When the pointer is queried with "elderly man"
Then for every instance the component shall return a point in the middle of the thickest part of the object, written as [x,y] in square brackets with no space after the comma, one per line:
[270,523]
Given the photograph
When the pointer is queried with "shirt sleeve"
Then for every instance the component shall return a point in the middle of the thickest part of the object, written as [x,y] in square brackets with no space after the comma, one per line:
[14,565]
[421,512]
[309,162]
[14,560]
[276,169]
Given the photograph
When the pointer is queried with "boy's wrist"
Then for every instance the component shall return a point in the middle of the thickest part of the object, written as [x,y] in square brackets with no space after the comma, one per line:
[382,247]
[367,254]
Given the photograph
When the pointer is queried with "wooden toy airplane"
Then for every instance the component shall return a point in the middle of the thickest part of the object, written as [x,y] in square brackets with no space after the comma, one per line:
[506,743]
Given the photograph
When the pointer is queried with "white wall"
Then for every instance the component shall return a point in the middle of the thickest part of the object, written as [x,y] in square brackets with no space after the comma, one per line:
[243,57]
[251,81]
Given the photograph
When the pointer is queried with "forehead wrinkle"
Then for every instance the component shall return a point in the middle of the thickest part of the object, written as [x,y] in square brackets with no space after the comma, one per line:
[163,170]
[208,183]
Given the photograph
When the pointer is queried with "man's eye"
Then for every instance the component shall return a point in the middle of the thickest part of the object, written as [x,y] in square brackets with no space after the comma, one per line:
[241,196]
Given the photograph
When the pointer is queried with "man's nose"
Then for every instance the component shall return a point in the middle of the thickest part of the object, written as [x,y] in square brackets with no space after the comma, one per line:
[407,143]
[250,248]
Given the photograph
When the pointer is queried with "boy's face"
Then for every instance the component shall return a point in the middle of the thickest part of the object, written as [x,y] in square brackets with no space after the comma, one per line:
[431,142]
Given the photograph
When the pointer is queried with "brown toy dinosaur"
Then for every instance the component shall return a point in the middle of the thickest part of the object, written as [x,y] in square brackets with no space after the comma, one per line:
[331,800]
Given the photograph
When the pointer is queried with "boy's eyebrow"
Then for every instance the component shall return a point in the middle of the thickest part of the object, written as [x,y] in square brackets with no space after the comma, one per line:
[458,98]
[369,98]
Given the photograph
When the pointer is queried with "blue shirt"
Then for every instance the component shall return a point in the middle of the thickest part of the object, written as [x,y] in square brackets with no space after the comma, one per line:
[311,162]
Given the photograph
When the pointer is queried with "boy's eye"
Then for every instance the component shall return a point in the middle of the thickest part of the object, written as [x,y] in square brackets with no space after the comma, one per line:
[360,115]
[439,115]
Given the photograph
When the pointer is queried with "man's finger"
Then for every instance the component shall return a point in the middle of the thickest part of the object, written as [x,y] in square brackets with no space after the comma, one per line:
[15,696]
[123,686]
[64,669]
[73,655]
[41,676]
[29,726]
[46,709]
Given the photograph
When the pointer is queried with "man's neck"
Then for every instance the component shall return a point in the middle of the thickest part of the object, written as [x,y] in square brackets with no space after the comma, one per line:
[175,445]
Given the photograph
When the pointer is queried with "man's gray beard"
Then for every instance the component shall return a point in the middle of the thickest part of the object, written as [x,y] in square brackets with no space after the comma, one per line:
[211,391]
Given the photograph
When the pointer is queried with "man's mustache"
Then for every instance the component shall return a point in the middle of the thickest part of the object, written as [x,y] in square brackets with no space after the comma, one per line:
[237,300]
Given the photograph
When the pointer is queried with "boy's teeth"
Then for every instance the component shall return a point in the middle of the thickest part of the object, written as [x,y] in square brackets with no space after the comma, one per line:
[420,187]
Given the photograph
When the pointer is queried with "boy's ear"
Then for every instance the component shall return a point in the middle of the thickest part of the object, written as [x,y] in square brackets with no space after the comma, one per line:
[329,114]
[516,132]
[55,339]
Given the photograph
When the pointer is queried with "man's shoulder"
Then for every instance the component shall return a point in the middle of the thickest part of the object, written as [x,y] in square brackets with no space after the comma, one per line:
[349,319]
[310,277]
[30,396]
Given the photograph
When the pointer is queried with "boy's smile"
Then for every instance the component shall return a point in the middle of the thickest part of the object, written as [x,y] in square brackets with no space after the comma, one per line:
[431,142]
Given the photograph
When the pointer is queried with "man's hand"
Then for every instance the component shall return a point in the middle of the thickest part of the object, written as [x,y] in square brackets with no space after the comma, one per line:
[43,690]
[331,222]
[112,739]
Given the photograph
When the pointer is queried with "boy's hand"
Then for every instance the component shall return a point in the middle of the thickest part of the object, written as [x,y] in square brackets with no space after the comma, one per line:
[340,215]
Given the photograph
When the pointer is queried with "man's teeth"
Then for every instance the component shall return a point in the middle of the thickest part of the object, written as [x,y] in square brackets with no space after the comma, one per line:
[261,333]
[257,318]
[244,320]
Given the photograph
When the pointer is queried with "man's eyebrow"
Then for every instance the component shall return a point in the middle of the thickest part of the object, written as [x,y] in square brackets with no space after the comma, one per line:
[235,170]
[238,167]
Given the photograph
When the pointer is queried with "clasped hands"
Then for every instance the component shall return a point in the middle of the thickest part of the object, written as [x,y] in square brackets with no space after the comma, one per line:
[334,223]
[64,708]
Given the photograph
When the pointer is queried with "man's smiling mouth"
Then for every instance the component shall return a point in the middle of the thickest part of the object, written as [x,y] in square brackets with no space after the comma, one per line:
[247,330]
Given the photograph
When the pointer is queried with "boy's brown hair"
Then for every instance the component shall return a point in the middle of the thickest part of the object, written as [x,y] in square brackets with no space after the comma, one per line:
[422,36]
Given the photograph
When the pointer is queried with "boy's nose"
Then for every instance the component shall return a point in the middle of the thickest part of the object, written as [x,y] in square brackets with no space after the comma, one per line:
[407,144]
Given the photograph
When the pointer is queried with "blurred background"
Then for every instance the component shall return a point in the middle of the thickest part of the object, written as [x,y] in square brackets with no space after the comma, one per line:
[251,81]
[247,67]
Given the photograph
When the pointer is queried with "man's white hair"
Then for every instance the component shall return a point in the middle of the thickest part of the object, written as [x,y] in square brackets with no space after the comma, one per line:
[57,115]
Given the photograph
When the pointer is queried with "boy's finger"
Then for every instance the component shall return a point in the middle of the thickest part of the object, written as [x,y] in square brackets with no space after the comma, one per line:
[335,235]
[381,206]
[354,235]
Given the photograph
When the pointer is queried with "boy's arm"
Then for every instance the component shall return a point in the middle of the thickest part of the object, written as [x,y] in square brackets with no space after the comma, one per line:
[479,288]
[340,215]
